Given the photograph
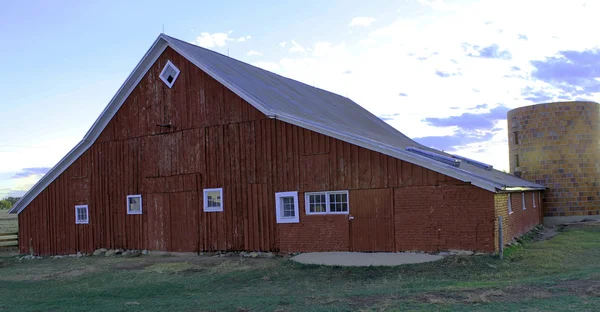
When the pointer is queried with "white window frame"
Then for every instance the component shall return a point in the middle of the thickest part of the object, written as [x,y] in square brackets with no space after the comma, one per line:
[279,208]
[510,211]
[164,79]
[327,203]
[523,197]
[533,200]
[87,214]
[205,200]
[127,203]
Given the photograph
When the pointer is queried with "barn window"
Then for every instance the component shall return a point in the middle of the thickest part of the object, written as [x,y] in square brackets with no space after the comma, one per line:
[338,202]
[169,74]
[533,200]
[523,198]
[286,204]
[213,199]
[81,214]
[509,205]
[134,204]
[326,202]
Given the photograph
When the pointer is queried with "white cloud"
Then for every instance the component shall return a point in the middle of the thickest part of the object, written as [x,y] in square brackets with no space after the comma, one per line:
[253,53]
[404,55]
[270,66]
[283,44]
[219,39]
[208,40]
[242,39]
[296,47]
[361,21]
[437,5]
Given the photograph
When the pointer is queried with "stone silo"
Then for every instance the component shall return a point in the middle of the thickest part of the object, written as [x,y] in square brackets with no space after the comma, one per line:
[558,145]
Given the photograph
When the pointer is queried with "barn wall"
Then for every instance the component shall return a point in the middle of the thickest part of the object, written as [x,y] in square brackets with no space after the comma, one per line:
[519,221]
[216,139]
[444,217]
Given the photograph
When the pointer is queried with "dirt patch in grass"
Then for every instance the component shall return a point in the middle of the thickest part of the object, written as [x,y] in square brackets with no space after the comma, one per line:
[588,287]
[546,233]
[170,268]
[60,274]
[582,288]
[521,293]
[130,265]
[71,273]
[192,264]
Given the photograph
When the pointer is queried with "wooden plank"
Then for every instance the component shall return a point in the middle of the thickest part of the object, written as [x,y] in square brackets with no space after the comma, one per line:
[341,165]
[432,177]
[364,178]
[9,244]
[5,238]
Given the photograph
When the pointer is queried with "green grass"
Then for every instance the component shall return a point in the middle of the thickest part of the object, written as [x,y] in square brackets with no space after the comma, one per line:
[561,274]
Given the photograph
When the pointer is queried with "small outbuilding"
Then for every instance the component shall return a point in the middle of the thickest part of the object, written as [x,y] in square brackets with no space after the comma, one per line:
[198,151]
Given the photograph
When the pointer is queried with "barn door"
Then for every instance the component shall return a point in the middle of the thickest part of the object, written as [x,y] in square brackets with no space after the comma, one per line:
[172,221]
[371,220]
[156,207]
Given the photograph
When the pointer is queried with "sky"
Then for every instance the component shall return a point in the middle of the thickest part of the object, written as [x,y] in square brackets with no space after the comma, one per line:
[444,73]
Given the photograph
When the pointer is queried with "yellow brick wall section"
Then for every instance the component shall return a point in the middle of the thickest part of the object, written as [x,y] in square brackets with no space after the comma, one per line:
[501,208]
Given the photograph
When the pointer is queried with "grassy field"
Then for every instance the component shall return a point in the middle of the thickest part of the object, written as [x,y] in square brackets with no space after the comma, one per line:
[559,274]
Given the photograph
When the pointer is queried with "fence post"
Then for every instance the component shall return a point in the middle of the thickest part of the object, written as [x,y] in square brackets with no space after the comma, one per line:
[500,239]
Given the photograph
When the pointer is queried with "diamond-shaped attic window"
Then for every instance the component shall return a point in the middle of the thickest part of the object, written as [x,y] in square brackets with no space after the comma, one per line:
[169,74]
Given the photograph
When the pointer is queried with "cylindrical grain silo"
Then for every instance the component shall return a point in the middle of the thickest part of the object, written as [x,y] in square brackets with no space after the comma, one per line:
[558,145]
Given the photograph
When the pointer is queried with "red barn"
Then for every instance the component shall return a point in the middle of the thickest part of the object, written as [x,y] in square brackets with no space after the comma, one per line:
[198,151]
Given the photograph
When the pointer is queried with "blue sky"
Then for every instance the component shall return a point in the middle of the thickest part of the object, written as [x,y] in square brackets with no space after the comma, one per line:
[442,72]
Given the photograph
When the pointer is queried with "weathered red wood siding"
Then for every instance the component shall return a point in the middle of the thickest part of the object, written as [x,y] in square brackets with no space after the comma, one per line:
[219,140]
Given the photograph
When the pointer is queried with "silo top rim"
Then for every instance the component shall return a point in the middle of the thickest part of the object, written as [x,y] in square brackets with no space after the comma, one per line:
[558,104]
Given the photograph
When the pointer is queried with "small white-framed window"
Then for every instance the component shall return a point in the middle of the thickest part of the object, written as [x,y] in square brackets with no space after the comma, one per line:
[169,74]
[335,202]
[533,200]
[134,204]
[81,214]
[523,198]
[213,199]
[286,205]
[509,205]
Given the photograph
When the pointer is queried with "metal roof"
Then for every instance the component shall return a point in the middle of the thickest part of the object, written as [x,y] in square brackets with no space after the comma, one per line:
[293,102]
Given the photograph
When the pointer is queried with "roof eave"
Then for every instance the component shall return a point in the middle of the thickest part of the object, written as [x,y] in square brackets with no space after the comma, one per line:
[513,189]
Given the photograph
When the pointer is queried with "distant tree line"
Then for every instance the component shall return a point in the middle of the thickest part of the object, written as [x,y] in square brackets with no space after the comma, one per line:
[8,202]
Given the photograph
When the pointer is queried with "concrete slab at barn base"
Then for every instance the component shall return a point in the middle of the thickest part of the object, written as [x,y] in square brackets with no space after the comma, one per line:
[364,258]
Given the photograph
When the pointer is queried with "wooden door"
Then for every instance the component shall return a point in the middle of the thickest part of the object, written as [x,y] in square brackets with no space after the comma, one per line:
[172,221]
[156,208]
[371,220]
